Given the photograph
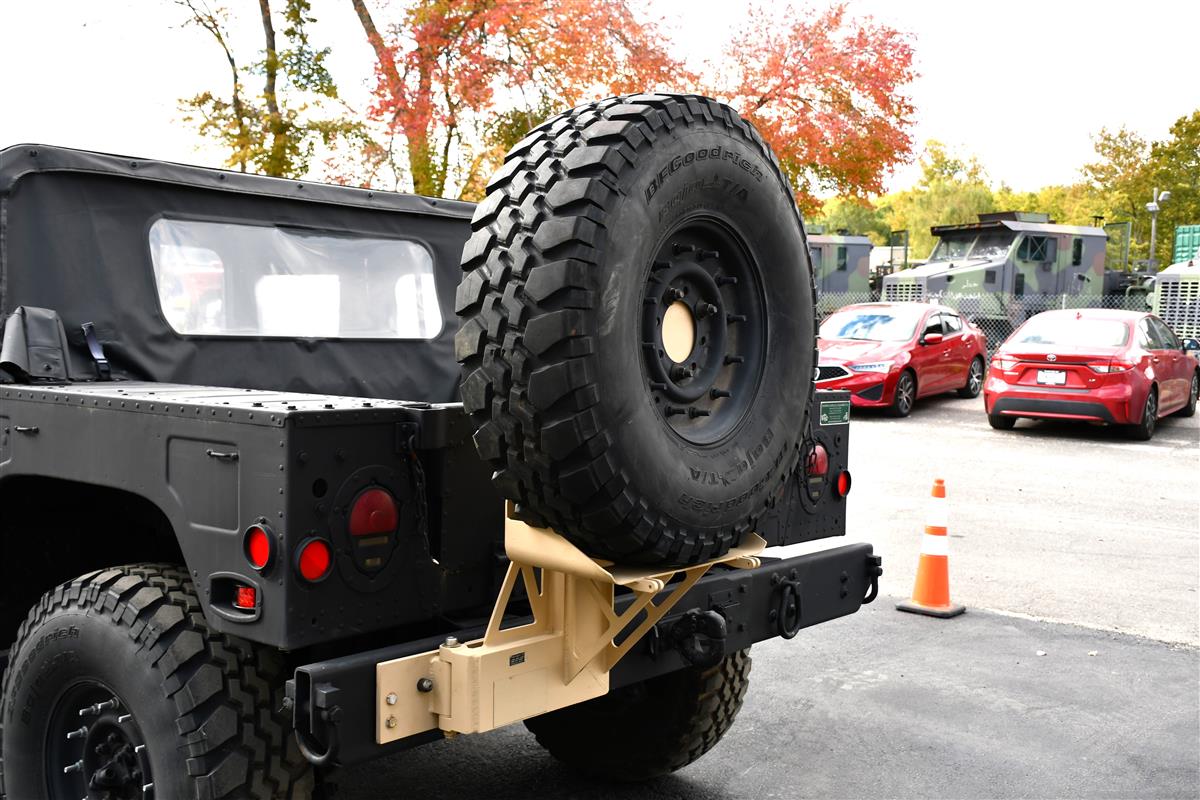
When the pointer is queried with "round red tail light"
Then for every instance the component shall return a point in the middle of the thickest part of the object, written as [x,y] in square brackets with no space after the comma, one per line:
[818,462]
[373,512]
[843,484]
[313,559]
[259,547]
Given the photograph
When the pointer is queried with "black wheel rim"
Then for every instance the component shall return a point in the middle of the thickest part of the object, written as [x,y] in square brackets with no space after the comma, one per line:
[704,275]
[1195,390]
[975,379]
[1151,412]
[95,749]
[904,394]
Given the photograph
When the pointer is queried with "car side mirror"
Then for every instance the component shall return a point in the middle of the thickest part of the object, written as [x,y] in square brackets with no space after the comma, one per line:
[931,338]
[1191,345]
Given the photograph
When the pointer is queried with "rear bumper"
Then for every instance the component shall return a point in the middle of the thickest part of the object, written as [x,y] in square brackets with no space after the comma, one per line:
[827,585]
[1109,404]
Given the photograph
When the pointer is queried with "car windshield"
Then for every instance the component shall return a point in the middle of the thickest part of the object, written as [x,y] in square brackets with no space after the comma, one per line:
[1073,332]
[882,324]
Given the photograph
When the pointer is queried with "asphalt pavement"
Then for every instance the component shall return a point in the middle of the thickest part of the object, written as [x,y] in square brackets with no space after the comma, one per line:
[1074,673]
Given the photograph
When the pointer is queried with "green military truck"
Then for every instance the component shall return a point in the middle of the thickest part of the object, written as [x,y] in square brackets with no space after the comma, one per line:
[295,476]
[1005,268]
[840,262]
[1177,297]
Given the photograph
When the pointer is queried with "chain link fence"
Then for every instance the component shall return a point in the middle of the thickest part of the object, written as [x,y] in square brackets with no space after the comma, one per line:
[996,315]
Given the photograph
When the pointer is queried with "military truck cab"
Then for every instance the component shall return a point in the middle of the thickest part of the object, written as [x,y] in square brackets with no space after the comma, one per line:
[1005,267]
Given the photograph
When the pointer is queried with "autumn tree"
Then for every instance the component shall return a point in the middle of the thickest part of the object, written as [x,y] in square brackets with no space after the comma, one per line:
[827,91]
[276,130]
[461,80]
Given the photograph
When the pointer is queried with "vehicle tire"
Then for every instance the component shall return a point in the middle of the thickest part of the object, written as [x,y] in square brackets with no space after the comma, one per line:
[204,705]
[604,224]
[1144,431]
[904,395]
[650,728]
[1001,422]
[1193,394]
[975,374]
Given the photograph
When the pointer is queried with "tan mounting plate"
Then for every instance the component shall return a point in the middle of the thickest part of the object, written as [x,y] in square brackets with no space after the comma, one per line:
[561,658]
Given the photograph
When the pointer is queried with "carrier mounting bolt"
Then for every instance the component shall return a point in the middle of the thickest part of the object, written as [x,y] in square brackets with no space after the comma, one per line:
[76,767]
[451,641]
[391,699]
[717,394]
[683,248]
[734,359]
[391,722]
[78,734]
[425,685]
[694,412]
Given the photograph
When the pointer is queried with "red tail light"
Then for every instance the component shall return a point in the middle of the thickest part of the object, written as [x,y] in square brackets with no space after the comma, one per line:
[818,462]
[259,547]
[843,483]
[1111,366]
[245,598]
[314,559]
[373,512]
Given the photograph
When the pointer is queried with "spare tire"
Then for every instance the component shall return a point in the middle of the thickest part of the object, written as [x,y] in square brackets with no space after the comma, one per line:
[637,332]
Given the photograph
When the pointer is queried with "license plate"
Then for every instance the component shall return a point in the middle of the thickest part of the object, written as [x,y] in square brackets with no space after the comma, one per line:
[1052,377]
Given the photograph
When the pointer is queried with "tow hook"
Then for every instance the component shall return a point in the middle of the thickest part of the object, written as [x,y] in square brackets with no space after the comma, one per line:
[874,570]
[320,711]
[786,614]
[699,636]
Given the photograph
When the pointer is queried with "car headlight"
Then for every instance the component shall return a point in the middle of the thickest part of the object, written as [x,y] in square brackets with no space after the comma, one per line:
[874,366]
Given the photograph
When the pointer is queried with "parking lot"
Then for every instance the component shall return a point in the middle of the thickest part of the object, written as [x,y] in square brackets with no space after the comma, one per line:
[1073,673]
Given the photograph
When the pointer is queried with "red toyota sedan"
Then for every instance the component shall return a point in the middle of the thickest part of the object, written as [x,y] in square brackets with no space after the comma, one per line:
[889,354]
[1097,365]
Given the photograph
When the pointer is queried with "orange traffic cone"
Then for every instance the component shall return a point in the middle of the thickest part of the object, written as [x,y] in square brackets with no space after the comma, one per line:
[931,592]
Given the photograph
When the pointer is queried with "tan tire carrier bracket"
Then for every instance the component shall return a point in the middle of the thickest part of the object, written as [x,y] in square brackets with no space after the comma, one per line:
[561,658]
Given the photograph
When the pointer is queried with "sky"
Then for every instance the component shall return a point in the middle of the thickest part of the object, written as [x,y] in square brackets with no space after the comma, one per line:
[1023,85]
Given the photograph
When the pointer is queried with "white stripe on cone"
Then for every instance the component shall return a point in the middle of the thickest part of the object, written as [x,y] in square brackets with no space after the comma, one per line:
[933,544]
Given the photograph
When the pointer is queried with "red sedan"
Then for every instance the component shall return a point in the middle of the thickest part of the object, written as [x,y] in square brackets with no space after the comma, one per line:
[1098,365]
[889,354]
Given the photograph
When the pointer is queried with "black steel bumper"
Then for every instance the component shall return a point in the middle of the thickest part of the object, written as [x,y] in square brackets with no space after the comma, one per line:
[333,702]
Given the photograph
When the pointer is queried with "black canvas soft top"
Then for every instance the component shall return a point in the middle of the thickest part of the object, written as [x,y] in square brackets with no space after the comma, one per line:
[74,231]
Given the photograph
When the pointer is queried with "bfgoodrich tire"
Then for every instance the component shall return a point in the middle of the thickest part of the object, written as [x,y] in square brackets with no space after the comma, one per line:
[115,681]
[651,728]
[637,328]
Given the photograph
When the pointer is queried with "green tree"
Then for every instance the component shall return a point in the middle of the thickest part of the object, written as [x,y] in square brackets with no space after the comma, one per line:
[1175,167]
[953,189]
[276,131]
[859,217]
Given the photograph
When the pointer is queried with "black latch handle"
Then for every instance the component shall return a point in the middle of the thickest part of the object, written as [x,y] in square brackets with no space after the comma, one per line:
[221,456]
[31,429]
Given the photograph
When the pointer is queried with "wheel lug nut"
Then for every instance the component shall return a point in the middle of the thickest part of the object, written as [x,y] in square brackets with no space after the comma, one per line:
[683,248]
[672,294]
[705,309]
[78,734]
[657,265]
[679,372]
[76,767]
[657,386]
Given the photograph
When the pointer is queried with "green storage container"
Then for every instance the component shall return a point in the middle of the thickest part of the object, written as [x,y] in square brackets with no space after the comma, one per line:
[1187,243]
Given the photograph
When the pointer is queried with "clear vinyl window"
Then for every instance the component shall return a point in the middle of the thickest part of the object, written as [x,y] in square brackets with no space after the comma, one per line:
[233,279]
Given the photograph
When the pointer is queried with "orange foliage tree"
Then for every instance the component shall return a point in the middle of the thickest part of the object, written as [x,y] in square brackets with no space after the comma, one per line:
[827,91]
[461,80]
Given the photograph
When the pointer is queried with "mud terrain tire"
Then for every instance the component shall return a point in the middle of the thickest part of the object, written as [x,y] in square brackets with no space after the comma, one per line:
[205,706]
[597,420]
[650,728]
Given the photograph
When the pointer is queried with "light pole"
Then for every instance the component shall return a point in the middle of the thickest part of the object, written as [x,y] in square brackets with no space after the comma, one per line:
[1153,206]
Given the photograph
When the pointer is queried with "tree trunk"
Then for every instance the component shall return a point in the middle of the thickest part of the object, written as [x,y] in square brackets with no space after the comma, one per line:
[276,162]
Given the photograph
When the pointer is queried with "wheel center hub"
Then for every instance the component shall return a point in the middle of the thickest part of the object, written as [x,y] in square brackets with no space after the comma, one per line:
[679,331]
